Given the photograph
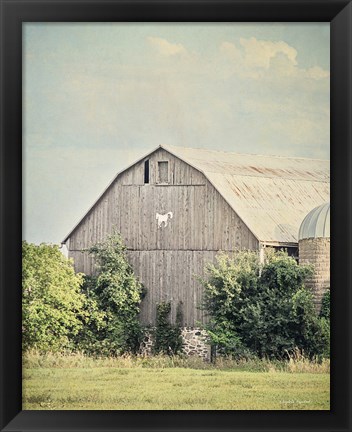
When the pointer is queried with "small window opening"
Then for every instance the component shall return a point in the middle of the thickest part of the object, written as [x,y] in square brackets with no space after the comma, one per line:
[146,171]
[163,171]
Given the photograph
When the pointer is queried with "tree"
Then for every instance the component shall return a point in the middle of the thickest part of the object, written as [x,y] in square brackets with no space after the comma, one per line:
[113,299]
[51,299]
[265,310]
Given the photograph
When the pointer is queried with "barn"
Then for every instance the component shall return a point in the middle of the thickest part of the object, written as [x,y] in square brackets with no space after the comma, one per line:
[177,207]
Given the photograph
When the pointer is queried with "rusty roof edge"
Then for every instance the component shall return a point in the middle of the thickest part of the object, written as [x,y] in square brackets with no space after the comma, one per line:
[104,192]
[271,177]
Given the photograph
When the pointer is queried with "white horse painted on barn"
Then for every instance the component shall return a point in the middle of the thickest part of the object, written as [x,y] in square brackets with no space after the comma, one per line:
[163,219]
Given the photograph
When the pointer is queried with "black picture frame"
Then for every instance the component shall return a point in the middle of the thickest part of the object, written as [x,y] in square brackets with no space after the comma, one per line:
[13,14]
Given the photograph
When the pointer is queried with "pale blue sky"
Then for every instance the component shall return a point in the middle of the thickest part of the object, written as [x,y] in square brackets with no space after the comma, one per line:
[98,96]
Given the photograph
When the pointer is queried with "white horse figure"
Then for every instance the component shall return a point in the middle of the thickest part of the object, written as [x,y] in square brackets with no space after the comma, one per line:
[163,219]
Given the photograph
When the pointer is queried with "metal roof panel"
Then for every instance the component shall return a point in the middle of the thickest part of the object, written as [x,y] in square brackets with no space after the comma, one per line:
[271,194]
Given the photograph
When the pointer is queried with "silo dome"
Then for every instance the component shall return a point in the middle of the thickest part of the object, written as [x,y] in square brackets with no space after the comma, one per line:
[316,224]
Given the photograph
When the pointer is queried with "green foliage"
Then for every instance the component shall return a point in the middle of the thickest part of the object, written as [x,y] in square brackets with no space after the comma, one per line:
[168,339]
[325,305]
[283,308]
[262,311]
[230,285]
[325,322]
[52,305]
[324,329]
[113,299]
[92,334]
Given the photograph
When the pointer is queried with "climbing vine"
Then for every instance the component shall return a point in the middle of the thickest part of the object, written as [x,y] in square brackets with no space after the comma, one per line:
[168,339]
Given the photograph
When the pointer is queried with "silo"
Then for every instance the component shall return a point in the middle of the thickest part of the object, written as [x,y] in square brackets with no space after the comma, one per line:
[314,248]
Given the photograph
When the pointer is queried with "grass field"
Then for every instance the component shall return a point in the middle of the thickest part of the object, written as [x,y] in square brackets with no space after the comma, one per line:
[138,386]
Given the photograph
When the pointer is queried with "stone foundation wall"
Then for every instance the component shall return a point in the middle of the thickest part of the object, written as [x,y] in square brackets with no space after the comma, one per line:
[147,344]
[316,251]
[194,343]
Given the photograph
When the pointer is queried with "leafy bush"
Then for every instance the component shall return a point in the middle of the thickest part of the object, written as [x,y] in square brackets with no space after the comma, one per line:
[113,299]
[325,322]
[325,305]
[168,339]
[231,282]
[52,305]
[264,311]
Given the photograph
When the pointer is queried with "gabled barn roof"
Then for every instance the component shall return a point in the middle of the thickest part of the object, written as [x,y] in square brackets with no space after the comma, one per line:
[271,194]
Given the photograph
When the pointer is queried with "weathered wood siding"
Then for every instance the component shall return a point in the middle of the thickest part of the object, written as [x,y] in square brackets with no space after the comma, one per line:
[167,258]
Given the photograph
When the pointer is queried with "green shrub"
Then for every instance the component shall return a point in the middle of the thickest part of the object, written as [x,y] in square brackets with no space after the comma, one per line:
[325,305]
[52,305]
[231,281]
[264,311]
[325,323]
[167,337]
[112,306]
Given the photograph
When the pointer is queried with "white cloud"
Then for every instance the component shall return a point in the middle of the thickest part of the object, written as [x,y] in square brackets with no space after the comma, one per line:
[231,51]
[257,59]
[258,53]
[165,47]
[317,73]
